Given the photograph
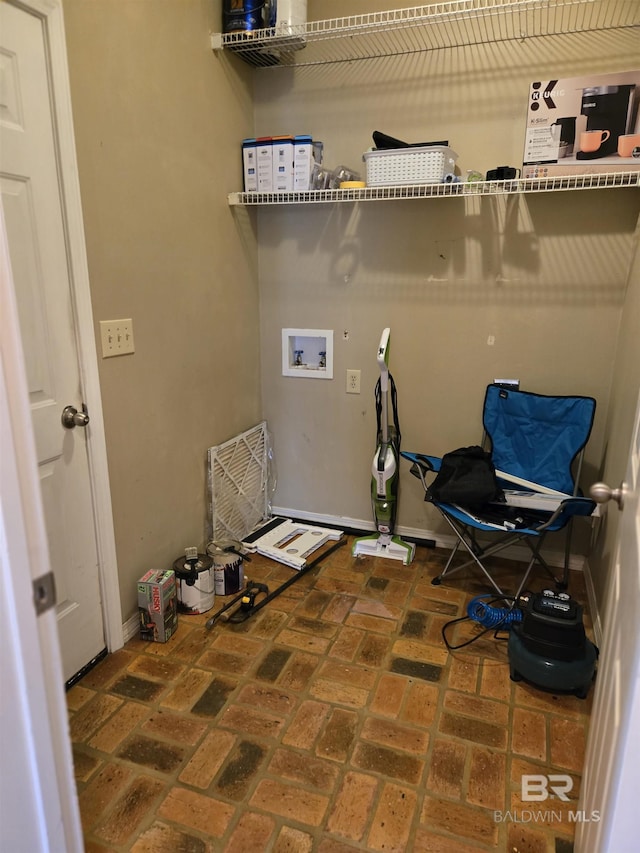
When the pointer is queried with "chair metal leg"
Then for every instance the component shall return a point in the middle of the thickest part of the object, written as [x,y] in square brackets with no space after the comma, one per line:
[525,577]
[535,546]
[470,547]
[466,537]
[478,553]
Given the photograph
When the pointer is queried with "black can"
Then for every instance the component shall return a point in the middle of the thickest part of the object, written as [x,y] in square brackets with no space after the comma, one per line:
[243,15]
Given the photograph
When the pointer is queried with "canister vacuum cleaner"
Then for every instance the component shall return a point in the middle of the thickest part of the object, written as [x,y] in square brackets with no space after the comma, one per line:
[384,471]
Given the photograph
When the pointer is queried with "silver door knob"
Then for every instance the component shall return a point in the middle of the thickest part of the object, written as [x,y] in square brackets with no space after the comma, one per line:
[601,494]
[72,418]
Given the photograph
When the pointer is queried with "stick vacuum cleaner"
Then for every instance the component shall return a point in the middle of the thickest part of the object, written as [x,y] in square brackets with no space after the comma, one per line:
[385,472]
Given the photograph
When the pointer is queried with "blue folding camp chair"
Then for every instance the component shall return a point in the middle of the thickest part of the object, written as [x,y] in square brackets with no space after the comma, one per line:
[536,443]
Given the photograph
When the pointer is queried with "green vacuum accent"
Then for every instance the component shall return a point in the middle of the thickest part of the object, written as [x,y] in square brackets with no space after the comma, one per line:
[385,471]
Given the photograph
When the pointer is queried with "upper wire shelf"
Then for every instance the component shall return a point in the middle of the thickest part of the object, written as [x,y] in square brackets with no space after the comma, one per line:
[461,190]
[420,28]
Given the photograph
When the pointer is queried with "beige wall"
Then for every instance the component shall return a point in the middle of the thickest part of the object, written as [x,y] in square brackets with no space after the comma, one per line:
[158,119]
[544,275]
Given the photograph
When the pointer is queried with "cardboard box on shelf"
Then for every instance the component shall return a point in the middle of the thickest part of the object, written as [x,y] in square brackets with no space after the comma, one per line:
[583,125]
[264,163]
[303,162]
[282,154]
[157,605]
[249,165]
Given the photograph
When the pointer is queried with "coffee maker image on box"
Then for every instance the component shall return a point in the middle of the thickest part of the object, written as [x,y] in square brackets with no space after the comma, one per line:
[610,112]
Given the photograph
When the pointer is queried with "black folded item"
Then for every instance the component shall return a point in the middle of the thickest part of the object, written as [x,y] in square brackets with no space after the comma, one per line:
[384,142]
[466,477]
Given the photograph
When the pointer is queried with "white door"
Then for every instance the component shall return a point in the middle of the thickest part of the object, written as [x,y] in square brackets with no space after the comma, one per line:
[612,774]
[37,222]
[38,802]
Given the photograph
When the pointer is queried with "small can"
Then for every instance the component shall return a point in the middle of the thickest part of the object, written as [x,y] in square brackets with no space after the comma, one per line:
[195,584]
[243,15]
[228,566]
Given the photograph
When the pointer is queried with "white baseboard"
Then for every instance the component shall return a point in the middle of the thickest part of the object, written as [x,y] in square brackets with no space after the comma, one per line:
[596,621]
[515,552]
[131,628]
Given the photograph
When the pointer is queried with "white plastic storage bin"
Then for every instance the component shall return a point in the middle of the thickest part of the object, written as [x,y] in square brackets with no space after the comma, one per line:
[429,164]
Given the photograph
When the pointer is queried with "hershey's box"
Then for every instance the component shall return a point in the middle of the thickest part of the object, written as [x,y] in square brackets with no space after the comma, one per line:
[583,125]
[157,605]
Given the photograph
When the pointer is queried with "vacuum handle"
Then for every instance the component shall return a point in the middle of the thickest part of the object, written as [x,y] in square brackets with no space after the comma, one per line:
[383,360]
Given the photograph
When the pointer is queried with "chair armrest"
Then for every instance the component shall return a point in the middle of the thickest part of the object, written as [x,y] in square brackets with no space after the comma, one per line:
[567,509]
[429,463]
[422,465]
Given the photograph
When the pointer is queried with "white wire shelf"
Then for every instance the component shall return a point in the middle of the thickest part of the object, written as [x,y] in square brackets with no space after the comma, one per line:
[462,190]
[422,28]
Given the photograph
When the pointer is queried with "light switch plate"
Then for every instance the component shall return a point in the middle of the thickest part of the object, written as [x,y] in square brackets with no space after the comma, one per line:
[116,337]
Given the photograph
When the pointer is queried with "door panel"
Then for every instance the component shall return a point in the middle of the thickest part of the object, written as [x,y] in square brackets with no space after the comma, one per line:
[30,182]
[610,775]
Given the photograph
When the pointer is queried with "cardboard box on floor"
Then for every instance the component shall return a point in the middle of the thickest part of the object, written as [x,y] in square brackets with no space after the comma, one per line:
[583,125]
[157,605]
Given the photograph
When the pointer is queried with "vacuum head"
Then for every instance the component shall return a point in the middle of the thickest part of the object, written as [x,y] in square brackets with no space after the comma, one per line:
[384,545]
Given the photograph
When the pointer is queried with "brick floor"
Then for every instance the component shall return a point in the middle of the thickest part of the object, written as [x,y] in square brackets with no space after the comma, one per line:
[334,720]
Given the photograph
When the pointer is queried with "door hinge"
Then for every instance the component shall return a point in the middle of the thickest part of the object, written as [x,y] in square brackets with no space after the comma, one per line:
[44,593]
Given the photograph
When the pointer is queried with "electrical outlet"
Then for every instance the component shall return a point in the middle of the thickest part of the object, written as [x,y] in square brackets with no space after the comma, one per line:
[353,381]
[117,337]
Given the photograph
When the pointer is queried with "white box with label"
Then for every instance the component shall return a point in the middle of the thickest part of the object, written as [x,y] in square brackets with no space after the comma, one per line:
[249,165]
[282,156]
[303,162]
[264,164]
[583,125]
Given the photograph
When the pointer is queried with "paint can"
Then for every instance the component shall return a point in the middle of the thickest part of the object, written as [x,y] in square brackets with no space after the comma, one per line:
[228,566]
[195,584]
[243,16]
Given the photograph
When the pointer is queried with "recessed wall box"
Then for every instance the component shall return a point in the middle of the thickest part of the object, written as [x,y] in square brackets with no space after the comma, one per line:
[308,353]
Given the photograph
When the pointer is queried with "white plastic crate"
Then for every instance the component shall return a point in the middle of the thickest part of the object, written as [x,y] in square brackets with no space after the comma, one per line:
[429,164]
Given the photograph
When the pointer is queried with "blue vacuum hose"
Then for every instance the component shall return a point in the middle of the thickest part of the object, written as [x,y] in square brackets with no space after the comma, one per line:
[492,617]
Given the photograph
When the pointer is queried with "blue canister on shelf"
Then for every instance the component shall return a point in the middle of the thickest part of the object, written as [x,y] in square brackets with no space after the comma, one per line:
[243,15]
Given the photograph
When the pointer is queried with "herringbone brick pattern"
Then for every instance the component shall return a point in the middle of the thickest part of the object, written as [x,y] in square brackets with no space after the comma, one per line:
[333,720]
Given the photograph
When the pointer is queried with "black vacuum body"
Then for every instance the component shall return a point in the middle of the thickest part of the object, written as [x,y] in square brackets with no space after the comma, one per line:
[549,647]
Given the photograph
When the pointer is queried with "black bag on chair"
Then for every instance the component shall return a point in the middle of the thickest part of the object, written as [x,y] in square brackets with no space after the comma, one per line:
[467,477]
